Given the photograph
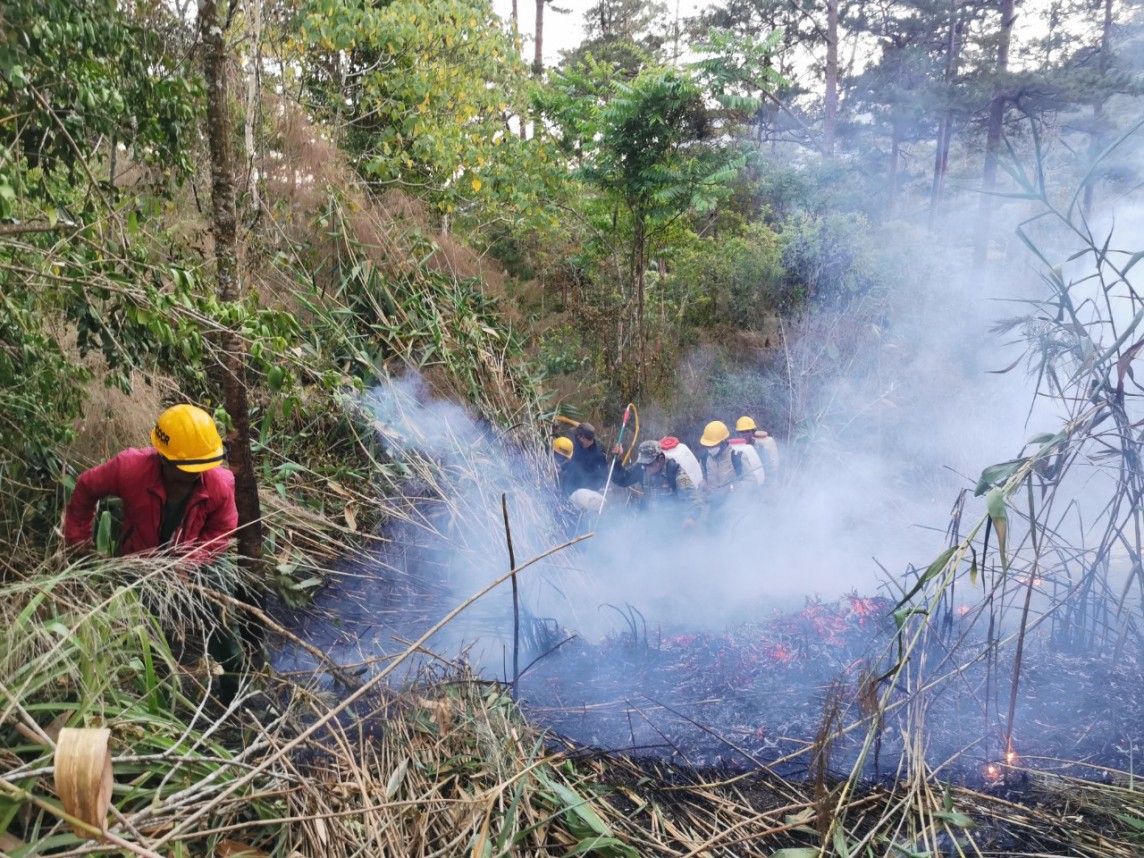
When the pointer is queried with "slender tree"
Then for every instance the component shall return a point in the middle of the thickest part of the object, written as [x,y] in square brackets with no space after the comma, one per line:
[997,107]
[945,125]
[224,223]
[538,57]
[830,101]
[1098,105]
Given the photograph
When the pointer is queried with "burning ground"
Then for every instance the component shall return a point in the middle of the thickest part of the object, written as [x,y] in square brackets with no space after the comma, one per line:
[673,663]
[773,692]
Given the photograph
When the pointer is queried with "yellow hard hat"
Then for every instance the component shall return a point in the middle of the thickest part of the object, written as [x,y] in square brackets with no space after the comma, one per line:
[562,447]
[187,437]
[745,423]
[714,434]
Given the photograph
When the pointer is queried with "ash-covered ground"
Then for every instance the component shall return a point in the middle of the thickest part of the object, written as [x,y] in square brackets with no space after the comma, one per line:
[760,692]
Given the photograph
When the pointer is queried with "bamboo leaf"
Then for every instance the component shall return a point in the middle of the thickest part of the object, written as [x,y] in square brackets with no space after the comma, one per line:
[394,782]
[995,504]
[1136,257]
[578,805]
[995,474]
[959,820]
[841,846]
[934,569]
[103,534]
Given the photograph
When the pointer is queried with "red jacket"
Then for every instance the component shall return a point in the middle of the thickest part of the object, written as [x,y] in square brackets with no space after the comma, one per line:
[135,476]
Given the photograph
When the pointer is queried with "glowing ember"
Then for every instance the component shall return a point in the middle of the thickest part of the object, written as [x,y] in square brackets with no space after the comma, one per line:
[781,653]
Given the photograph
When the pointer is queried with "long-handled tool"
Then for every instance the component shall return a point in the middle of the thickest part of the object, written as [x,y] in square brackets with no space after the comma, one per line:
[628,411]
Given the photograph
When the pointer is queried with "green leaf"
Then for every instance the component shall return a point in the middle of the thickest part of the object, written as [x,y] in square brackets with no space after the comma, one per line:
[934,569]
[1131,821]
[796,852]
[903,614]
[959,820]
[608,847]
[103,542]
[841,845]
[995,504]
[578,805]
[998,473]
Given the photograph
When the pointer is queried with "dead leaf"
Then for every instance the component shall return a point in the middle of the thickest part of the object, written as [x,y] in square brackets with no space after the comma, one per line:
[238,849]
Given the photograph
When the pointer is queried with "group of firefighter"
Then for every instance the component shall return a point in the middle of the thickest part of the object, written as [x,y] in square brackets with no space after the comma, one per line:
[667,475]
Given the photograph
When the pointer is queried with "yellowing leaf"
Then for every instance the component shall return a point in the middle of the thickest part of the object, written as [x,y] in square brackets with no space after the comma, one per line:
[995,503]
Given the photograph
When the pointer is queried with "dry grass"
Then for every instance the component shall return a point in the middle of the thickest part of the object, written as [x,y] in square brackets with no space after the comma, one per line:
[113,419]
[308,165]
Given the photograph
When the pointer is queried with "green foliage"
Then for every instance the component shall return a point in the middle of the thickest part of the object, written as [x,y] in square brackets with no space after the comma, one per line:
[628,35]
[370,315]
[77,76]
[39,397]
[737,69]
[77,81]
[645,155]
[429,89]
[831,261]
[734,281]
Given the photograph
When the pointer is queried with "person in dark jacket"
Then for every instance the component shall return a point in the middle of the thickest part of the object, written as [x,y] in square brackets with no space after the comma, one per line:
[589,464]
[661,483]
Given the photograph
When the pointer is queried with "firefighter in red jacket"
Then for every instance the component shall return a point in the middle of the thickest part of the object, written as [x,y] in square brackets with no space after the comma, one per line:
[175,496]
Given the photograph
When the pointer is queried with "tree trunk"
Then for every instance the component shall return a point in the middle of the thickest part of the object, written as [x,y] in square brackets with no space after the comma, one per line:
[1097,142]
[993,139]
[945,127]
[538,57]
[253,75]
[641,321]
[830,102]
[224,223]
[895,157]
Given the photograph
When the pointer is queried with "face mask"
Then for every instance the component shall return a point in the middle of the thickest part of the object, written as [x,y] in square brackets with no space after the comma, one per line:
[716,451]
